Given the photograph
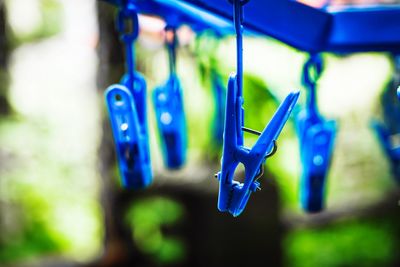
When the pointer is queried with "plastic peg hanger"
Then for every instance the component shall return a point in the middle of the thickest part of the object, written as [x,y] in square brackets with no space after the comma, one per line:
[126,104]
[388,131]
[317,137]
[169,107]
[233,195]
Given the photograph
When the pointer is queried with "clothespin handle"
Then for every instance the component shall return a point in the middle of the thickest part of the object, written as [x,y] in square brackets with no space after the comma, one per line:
[130,137]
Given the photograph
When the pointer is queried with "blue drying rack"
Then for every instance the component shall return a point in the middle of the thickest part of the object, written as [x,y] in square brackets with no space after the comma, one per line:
[317,30]
[352,29]
[355,29]
[176,13]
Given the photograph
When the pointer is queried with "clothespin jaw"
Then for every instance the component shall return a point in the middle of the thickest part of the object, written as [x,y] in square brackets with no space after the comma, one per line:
[130,142]
[316,151]
[233,196]
[317,137]
[170,113]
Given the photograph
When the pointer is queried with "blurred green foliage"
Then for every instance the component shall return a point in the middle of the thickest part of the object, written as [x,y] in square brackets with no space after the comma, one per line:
[46,209]
[28,244]
[148,217]
[38,216]
[48,24]
[351,242]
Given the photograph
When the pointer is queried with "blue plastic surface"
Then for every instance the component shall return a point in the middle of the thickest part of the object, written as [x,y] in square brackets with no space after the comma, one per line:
[317,30]
[317,138]
[170,113]
[126,104]
[171,122]
[306,28]
[233,195]
[398,93]
[388,131]
[177,13]
[130,142]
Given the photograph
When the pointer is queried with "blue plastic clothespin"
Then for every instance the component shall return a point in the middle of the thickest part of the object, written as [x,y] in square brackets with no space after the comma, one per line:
[317,138]
[233,195]
[388,131]
[126,104]
[170,114]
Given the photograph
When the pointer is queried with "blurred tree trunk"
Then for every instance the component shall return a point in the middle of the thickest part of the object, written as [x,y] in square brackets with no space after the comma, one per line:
[117,240]
[4,56]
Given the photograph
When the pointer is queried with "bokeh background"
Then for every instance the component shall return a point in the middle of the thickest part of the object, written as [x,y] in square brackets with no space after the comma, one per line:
[61,203]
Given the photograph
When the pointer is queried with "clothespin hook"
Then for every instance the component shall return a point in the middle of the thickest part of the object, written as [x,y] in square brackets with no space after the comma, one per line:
[128,28]
[128,22]
[312,71]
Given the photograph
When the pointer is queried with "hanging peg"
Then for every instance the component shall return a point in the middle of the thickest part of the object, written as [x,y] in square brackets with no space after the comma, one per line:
[317,138]
[126,104]
[169,107]
[233,195]
[388,131]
